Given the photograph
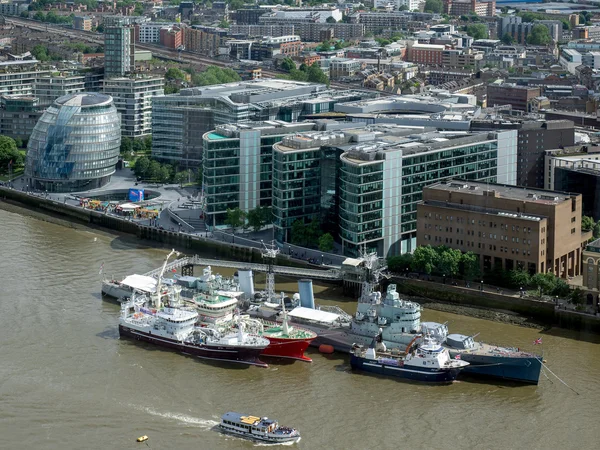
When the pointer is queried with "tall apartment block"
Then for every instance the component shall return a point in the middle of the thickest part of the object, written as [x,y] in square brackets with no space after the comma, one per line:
[133,97]
[507,226]
[119,51]
[238,163]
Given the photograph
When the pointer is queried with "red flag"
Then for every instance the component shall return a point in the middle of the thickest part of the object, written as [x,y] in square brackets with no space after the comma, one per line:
[173,270]
[538,341]
[457,357]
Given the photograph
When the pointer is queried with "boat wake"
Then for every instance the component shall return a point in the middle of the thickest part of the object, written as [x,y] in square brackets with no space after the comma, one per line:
[275,444]
[205,424]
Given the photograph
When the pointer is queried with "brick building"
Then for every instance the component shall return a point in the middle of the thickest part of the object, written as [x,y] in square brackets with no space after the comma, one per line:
[519,97]
[466,7]
[171,37]
[507,226]
[429,54]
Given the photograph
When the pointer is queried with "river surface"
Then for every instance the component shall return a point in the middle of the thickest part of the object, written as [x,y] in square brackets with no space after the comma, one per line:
[68,382]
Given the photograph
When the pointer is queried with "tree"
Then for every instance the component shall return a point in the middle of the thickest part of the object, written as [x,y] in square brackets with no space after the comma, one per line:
[313,232]
[126,145]
[154,170]
[288,64]
[175,74]
[40,53]
[576,296]
[326,243]
[338,45]
[470,266]
[519,279]
[424,259]
[19,142]
[141,166]
[507,39]
[223,24]
[235,218]
[298,233]
[325,45]
[330,19]
[316,75]
[255,218]
[400,263]
[164,174]
[434,6]
[546,282]
[8,153]
[587,223]
[448,262]
[539,35]
[180,178]
[477,31]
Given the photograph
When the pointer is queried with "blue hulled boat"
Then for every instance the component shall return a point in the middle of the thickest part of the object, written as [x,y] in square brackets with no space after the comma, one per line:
[428,362]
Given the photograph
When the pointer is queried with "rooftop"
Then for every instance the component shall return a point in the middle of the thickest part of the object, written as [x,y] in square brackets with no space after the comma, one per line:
[86,99]
[525,194]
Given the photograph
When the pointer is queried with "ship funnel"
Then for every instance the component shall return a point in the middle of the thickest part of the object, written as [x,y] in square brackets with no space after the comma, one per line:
[246,280]
[307,298]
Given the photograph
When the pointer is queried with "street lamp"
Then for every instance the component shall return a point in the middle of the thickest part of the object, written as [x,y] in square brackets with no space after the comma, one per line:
[481,286]
[444,278]
[321,259]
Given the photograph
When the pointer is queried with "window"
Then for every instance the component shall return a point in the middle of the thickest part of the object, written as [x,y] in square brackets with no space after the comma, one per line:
[573,219]
[572,230]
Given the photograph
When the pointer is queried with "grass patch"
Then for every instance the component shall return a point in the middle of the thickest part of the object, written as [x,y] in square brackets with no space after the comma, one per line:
[15,174]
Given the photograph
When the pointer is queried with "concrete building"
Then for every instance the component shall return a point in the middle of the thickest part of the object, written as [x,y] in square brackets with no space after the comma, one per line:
[238,165]
[343,67]
[149,32]
[180,120]
[83,23]
[379,22]
[18,115]
[519,97]
[251,31]
[507,226]
[48,88]
[12,8]
[133,98]
[382,170]
[75,144]
[119,51]
[591,271]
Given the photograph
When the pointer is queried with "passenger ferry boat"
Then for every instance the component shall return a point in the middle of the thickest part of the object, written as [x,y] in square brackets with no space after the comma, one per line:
[257,428]
[429,362]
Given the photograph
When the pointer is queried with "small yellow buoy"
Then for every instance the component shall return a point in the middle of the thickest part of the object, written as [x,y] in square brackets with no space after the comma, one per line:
[544,361]
[142,438]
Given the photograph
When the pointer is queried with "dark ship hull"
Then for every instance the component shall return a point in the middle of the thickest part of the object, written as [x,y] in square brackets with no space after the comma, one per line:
[410,373]
[227,353]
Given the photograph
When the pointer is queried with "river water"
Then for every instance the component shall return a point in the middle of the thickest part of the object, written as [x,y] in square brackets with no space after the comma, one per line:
[68,382]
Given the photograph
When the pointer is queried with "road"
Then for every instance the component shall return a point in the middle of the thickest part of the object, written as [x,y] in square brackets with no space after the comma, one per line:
[97,38]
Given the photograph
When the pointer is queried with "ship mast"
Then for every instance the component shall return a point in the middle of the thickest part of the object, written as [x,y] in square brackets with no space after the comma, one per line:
[269,254]
[157,299]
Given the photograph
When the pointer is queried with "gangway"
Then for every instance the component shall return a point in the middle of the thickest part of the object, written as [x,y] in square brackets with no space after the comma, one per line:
[300,272]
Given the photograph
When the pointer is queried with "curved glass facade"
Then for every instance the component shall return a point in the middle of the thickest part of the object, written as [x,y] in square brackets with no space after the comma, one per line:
[75,144]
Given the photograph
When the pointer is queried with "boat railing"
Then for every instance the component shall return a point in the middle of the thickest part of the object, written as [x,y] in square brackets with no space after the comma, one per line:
[344,316]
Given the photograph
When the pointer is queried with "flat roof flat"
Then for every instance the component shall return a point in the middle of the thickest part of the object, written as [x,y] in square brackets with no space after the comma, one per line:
[140,283]
[316,315]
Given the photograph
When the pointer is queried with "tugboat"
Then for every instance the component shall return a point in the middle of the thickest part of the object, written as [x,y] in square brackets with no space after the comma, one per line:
[428,362]
[257,428]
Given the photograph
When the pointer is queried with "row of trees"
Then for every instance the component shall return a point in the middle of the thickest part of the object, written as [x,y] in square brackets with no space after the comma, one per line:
[256,218]
[311,235]
[141,145]
[52,17]
[312,73]
[82,48]
[213,75]
[448,262]
[41,53]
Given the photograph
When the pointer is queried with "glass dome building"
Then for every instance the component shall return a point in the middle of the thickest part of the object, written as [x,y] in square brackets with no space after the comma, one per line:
[75,144]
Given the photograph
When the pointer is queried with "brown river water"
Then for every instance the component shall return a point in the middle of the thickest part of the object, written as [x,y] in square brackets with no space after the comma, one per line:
[68,382]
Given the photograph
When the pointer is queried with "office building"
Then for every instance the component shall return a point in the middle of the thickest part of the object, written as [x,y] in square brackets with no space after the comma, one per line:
[133,98]
[238,164]
[180,120]
[75,145]
[534,137]
[382,170]
[119,51]
[18,115]
[507,226]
